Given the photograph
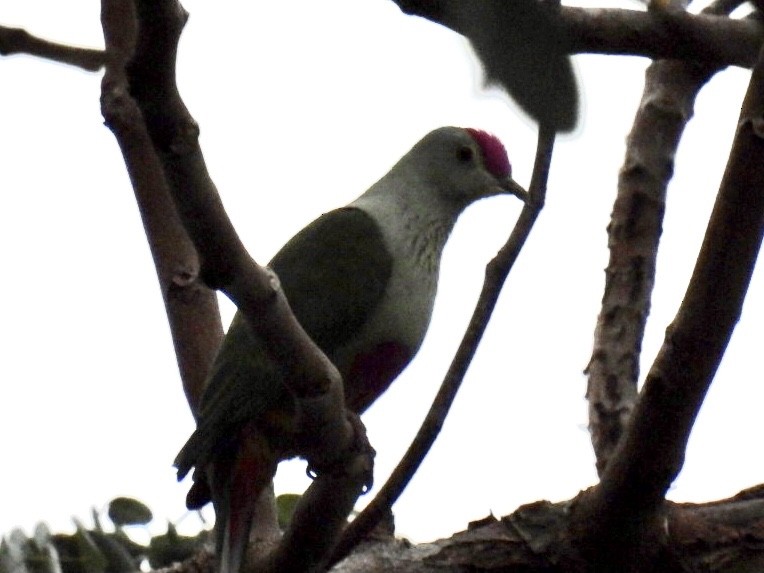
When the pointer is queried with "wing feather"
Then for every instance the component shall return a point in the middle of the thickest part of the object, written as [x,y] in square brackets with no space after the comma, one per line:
[334,273]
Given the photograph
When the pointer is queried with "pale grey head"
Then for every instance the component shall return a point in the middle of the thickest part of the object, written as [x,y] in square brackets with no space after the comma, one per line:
[460,165]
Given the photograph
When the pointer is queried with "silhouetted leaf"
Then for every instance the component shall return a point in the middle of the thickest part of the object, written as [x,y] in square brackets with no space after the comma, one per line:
[285,504]
[164,550]
[41,553]
[12,553]
[90,558]
[129,511]
[118,558]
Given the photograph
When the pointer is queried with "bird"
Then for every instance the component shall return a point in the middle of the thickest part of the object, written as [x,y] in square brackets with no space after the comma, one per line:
[523,48]
[361,280]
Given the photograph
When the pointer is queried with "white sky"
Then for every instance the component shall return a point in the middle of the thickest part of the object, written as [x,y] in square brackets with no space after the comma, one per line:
[302,106]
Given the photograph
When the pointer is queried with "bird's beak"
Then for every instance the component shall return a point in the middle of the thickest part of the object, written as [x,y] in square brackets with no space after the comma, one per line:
[512,187]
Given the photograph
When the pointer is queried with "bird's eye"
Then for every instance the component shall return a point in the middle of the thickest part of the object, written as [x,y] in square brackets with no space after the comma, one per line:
[464,154]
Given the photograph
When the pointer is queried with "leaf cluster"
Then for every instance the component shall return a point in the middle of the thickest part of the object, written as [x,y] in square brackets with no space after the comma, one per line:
[96,549]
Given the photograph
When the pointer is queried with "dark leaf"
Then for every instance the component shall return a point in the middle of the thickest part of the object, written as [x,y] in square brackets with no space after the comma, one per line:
[128,511]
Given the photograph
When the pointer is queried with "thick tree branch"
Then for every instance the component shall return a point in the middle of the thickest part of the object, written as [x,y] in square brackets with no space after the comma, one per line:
[695,342]
[496,274]
[664,34]
[653,34]
[319,518]
[603,31]
[191,307]
[19,41]
[633,235]
[225,263]
[628,504]
[725,536]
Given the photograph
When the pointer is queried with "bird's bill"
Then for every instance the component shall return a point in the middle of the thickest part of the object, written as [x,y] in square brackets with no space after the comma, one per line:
[514,188]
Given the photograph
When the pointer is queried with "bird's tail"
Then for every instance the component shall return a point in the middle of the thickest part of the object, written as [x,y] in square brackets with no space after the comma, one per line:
[243,481]
[195,452]
[232,536]
[193,455]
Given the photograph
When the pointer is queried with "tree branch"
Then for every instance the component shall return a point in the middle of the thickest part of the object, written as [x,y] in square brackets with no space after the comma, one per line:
[654,34]
[696,340]
[633,236]
[664,34]
[496,273]
[192,309]
[225,264]
[324,436]
[724,536]
[19,41]
[627,504]
[319,518]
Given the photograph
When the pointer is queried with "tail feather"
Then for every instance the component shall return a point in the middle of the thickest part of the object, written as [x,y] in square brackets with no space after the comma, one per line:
[232,539]
[199,495]
[201,447]
[243,481]
[188,454]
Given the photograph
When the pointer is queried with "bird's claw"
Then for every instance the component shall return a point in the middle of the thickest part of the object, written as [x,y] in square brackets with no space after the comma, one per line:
[359,445]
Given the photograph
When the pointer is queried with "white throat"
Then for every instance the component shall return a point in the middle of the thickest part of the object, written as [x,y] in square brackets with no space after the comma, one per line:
[415,225]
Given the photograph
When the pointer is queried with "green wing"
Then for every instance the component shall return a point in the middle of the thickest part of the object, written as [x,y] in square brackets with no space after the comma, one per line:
[334,273]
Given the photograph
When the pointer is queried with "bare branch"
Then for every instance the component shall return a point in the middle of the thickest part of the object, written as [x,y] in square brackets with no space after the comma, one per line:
[225,263]
[696,340]
[19,41]
[653,34]
[325,436]
[633,235]
[191,307]
[664,34]
[496,273]
[722,536]
[625,508]
[319,518]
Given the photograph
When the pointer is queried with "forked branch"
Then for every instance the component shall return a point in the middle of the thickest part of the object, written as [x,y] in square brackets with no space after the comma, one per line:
[628,504]
[633,237]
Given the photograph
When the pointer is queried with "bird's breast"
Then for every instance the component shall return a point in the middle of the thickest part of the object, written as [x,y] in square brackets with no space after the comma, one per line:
[391,337]
[372,372]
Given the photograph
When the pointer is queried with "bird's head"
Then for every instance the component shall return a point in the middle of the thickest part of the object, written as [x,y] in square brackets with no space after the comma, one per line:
[464,165]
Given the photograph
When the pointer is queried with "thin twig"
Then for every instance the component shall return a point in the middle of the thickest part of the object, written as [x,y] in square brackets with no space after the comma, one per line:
[19,41]
[496,273]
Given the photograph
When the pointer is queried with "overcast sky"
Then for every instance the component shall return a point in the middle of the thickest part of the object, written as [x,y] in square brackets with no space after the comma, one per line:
[302,106]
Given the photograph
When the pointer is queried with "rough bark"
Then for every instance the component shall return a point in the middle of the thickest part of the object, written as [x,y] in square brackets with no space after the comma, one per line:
[626,511]
[671,87]
[725,536]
